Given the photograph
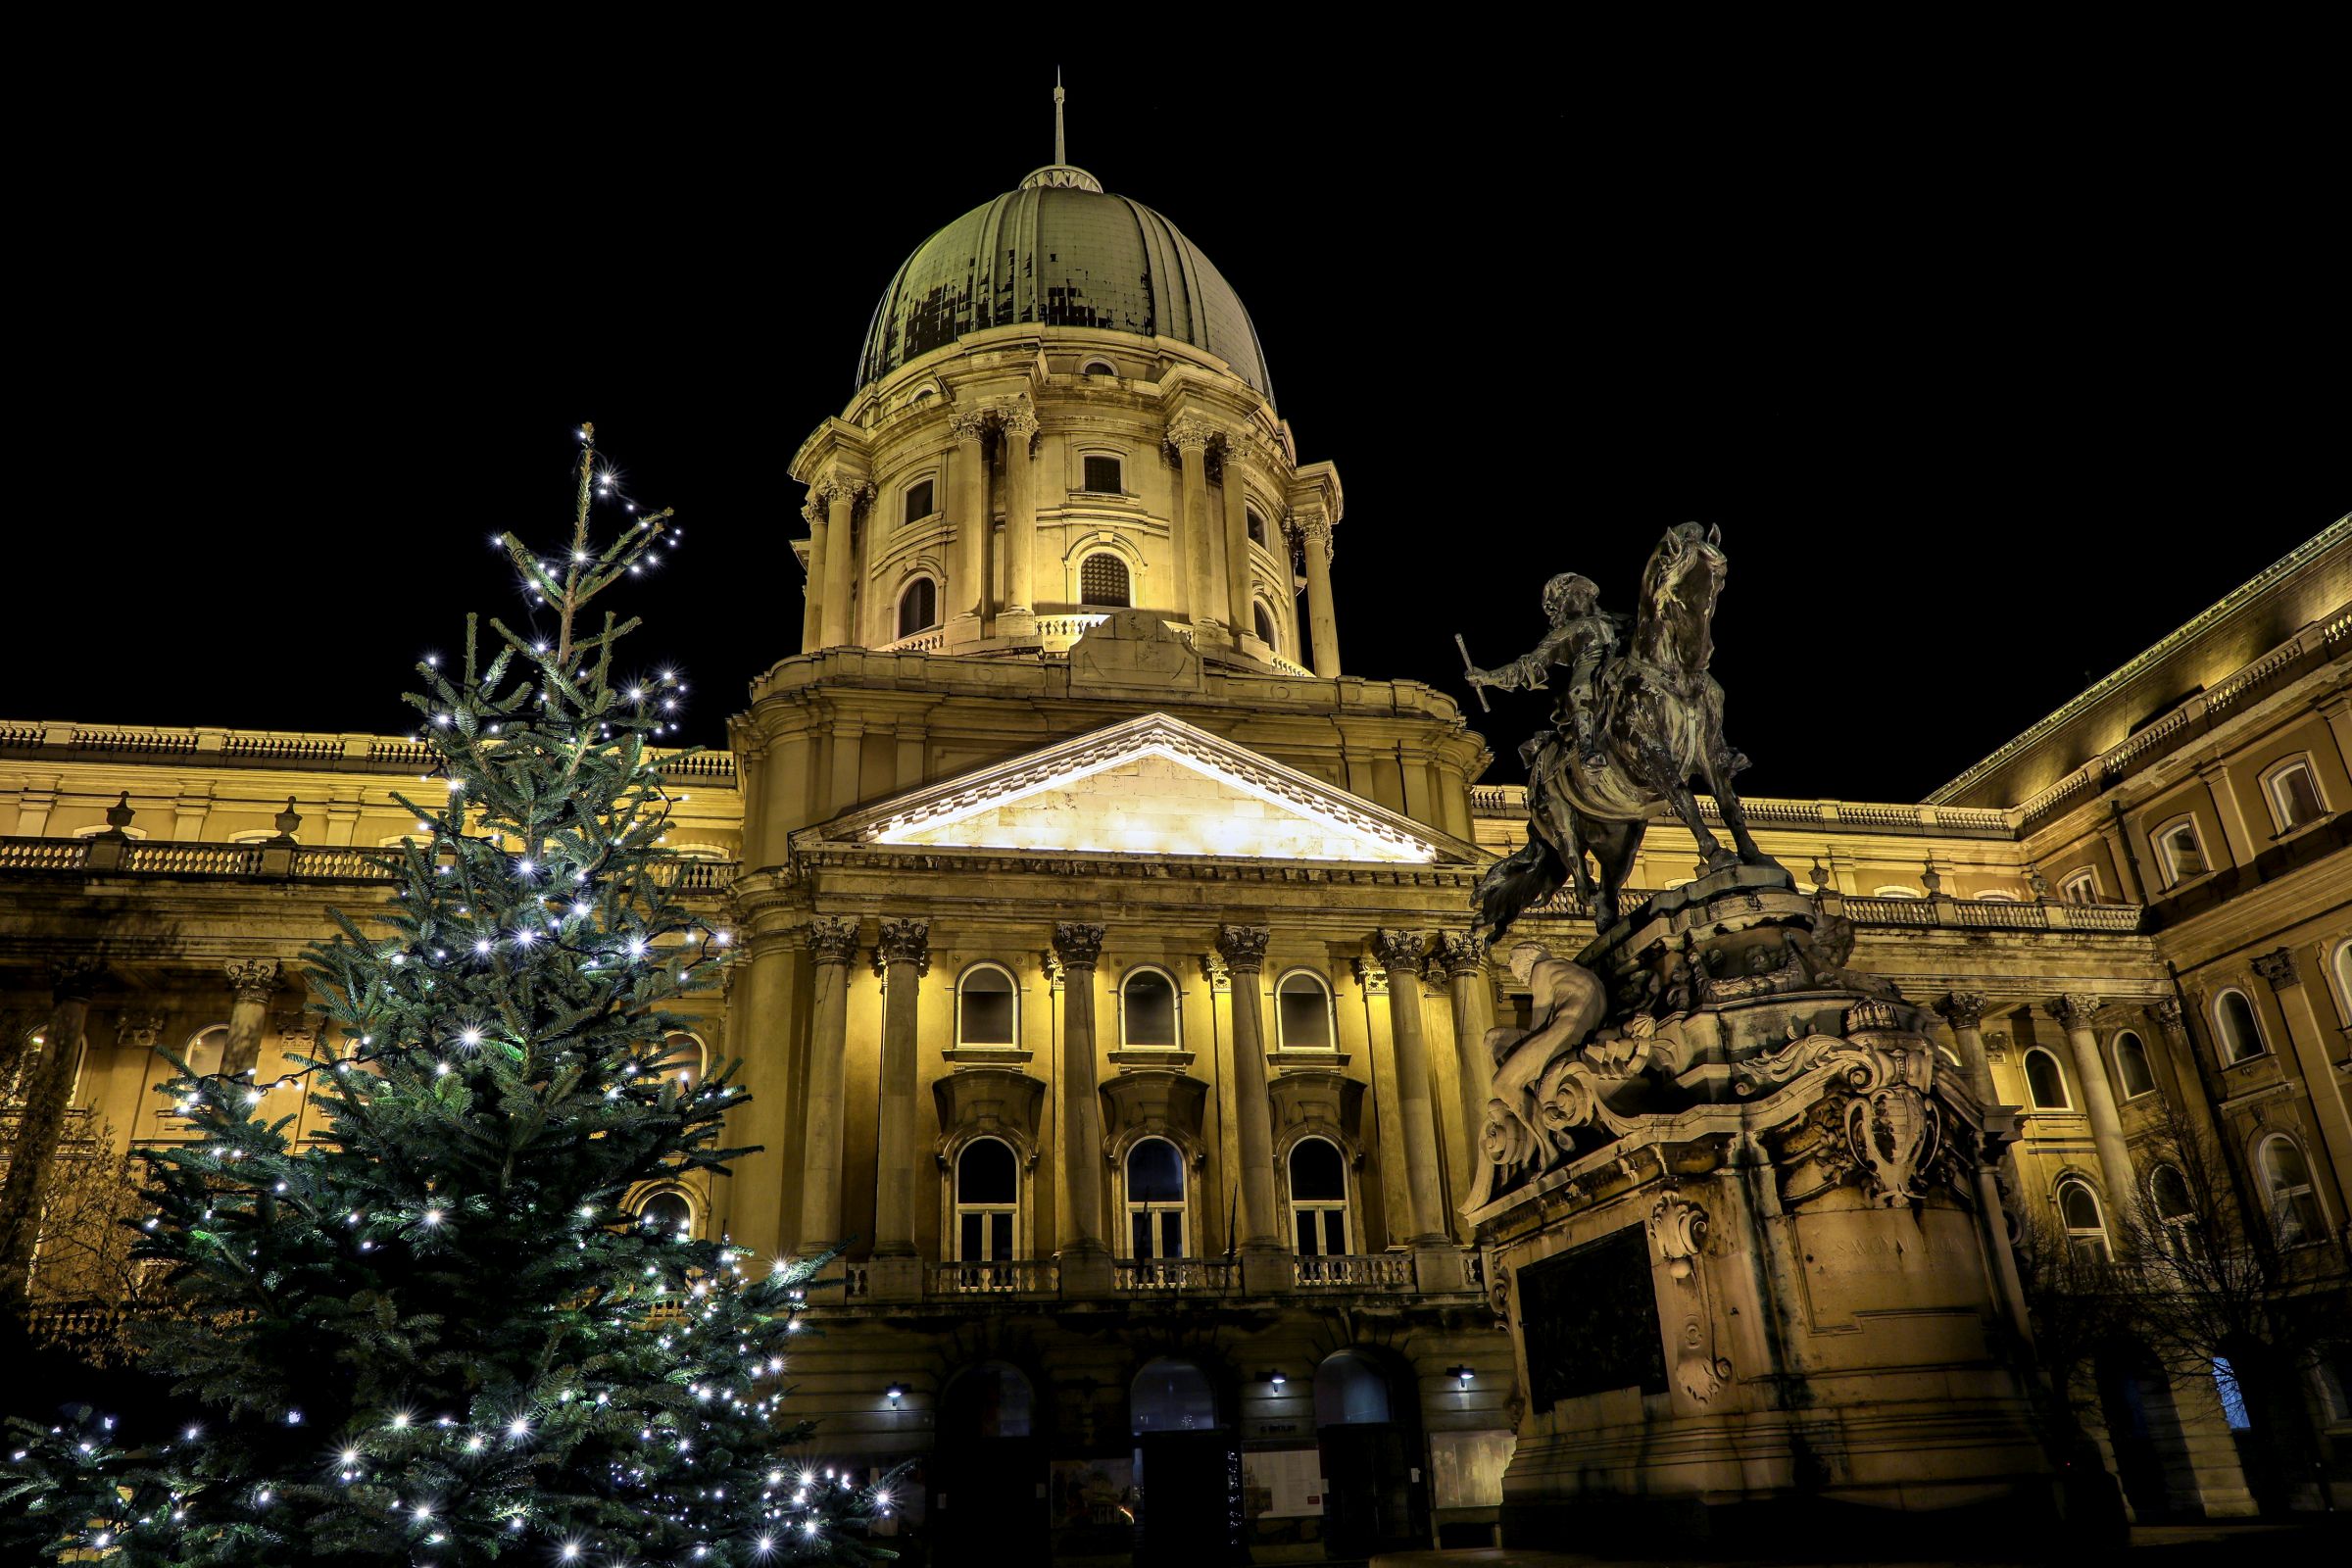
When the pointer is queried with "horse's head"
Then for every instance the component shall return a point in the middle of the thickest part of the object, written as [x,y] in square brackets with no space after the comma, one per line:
[1678,595]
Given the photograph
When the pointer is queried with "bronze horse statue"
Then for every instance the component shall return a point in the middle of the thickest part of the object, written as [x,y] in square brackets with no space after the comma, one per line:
[1660,725]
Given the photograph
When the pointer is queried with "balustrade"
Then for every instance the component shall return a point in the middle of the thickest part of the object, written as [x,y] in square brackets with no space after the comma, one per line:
[1205,1275]
[1025,1276]
[1361,1271]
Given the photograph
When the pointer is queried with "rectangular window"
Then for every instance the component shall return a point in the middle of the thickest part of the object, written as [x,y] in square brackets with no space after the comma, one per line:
[918,501]
[1102,477]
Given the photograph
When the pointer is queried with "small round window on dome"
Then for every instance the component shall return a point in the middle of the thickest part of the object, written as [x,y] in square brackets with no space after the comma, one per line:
[1099,367]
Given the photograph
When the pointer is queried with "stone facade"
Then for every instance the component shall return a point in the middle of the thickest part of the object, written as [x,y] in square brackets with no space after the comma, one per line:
[1105,988]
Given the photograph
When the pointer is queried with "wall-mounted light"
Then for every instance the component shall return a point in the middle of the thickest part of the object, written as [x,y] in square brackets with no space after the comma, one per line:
[895,1393]
[1274,1380]
[1461,1376]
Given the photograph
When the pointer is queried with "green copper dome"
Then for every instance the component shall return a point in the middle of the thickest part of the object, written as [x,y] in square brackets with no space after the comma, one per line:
[1060,252]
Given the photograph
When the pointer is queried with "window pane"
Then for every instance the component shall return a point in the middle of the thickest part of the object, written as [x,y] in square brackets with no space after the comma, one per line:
[985,1173]
[1102,581]
[1154,1172]
[918,500]
[2043,1081]
[1102,476]
[2239,1036]
[1171,1235]
[2132,1065]
[1141,1238]
[1151,1010]
[917,607]
[986,1003]
[2298,798]
[1317,1172]
[2171,1192]
[968,1233]
[999,1238]
[1335,1231]
[2181,845]
[2080,1209]
[1305,1017]
[1306,1233]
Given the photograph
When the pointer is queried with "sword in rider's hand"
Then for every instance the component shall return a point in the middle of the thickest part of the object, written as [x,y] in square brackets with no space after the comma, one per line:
[1467,666]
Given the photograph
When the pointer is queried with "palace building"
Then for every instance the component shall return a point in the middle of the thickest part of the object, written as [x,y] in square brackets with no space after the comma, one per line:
[1106,983]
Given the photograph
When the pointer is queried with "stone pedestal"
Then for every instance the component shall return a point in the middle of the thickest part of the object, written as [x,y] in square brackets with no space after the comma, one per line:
[1736,1233]
[894,1279]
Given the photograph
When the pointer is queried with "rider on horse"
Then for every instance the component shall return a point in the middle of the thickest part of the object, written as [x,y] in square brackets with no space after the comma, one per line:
[1579,642]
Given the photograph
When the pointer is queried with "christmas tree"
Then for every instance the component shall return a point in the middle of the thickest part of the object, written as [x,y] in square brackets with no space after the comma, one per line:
[432,1335]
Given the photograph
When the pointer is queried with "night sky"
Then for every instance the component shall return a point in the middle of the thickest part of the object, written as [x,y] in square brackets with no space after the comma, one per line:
[1988,384]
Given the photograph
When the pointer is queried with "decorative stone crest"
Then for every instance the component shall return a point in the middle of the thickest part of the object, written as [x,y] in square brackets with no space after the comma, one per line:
[253,979]
[139,1031]
[1214,971]
[1049,964]
[1079,944]
[1678,1228]
[904,942]
[1243,947]
[2278,967]
[833,940]
[1370,975]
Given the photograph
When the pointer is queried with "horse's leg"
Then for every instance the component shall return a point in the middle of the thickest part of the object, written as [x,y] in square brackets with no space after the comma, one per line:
[1718,771]
[1613,846]
[1569,841]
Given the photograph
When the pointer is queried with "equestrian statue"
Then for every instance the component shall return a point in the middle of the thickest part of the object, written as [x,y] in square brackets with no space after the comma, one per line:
[1629,729]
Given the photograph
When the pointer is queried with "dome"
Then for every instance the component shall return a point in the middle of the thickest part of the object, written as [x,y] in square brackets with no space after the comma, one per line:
[1060,252]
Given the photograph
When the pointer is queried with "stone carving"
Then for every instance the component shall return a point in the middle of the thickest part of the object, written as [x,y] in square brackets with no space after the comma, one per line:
[1370,975]
[253,979]
[1079,944]
[2278,967]
[1134,648]
[969,424]
[1398,950]
[833,940]
[839,485]
[2168,1014]
[139,1031]
[1019,422]
[1659,723]
[1541,1091]
[1460,953]
[1190,435]
[1678,1228]
[1963,1009]
[2074,1010]
[1214,971]
[1049,964]
[1888,1127]
[904,942]
[1243,947]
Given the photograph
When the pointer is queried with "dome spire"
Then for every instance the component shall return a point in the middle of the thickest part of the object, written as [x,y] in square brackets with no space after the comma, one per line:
[1061,174]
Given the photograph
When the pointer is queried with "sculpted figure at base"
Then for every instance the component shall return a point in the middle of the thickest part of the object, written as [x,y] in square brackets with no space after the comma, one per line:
[1631,730]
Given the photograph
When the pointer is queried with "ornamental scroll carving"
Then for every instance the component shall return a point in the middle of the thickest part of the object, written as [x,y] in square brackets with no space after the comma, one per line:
[904,942]
[1243,947]
[1079,944]
[1884,1128]
[1678,1229]
[253,979]
[833,940]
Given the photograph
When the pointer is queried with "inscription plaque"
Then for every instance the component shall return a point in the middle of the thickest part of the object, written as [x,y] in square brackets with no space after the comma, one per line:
[1590,1318]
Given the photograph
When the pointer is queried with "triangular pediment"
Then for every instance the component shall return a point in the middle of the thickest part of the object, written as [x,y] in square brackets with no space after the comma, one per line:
[1152,785]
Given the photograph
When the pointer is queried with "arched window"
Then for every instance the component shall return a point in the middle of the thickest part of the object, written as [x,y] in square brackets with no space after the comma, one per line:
[2293,791]
[1996,896]
[1302,1012]
[2286,1184]
[988,1194]
[2176,1211]
[209,1051]
[1318,1198]
[1171,1395]
[1265,621]
[1099,367]
[685,1057]
[96,828]
[2132,1065]
[2045,1083]
[2344,975]
[1350,1391]
[2080,888]
[987,1007]
[918,607]
[1258,524]
[2180,849]
[2236,1027]
[1157,1224]
[1102,581]
[1148,1012]
[2086,1229]
[666,1211]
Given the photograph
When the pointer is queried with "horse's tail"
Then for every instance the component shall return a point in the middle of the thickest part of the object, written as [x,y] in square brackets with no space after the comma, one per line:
[1511,884]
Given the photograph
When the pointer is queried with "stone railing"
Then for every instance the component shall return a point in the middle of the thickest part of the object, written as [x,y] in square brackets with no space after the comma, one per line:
[1388,1271]
[1990,915]
[293,750]
[1217,1276]
[921,642]
[332,863]
[1290,666]
[1815,817]
[1025,1276]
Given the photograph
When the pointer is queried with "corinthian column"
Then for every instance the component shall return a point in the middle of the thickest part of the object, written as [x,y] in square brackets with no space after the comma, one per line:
[1464,960]
[813,608]
[48,1092]
[1237,544]
[252,983]
[1400,952]
[1243,948]
[833,943]
[1190,438]
[903,955]
[1313,529]
[967,584]
[1085,1257]
[1964,1011]
[840,492]
[1018,617]
[2098,1096]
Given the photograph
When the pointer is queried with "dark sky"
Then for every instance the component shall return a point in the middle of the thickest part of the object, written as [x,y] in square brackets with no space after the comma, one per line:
[1990,376]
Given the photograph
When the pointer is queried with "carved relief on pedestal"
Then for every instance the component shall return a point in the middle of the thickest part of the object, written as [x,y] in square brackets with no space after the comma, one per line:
[1678,1229]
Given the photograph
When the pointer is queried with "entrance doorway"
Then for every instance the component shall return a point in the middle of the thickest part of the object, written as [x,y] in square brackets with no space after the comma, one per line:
[1187,1468]
[988,1490]
[1368,1426]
